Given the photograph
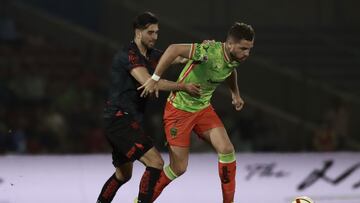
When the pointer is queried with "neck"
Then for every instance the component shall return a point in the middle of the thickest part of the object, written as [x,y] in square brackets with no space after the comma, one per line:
[140,46]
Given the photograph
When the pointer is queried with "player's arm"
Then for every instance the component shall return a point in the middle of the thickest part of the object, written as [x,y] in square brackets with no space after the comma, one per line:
[171,53]
[180,60]
[231,81]
[142,75]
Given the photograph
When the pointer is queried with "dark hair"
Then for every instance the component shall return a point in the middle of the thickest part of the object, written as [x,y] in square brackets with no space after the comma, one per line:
[240,31]
[143,20]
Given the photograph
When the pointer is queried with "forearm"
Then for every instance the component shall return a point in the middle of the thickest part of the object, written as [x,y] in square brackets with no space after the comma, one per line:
[171,54]
[232,83]
[142,75]
[166,85]
[180,60]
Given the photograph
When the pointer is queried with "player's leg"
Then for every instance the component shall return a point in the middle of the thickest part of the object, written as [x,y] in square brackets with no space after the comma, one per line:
[178,126]
[129,143]
[179,157]
[154,165]
[152,158]
[211,129]
[142,149]
[117,130]
[219,140]
[121,176]
[226,160]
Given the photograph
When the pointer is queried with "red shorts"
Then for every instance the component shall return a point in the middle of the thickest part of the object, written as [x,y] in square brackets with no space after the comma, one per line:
[179,124]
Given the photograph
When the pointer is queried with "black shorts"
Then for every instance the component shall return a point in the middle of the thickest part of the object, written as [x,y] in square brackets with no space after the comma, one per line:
[127,139]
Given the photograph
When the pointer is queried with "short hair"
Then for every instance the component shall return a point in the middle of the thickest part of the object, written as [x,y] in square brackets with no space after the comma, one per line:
[142,21]
[239,31]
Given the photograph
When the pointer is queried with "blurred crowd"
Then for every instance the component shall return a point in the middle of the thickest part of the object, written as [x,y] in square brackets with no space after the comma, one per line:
[50,102]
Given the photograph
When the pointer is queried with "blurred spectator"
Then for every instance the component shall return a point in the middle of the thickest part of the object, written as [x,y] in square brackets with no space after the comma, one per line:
[29,87]
[3,131]
[94,140]
[17,138]
[338,118]
[56,129]
[325,138]
[332,133]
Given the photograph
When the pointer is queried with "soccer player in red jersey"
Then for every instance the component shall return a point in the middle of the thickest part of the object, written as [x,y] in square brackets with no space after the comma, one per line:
[125,108]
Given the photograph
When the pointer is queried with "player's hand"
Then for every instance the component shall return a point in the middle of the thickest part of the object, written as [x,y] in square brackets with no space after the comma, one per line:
[238,102]
[149,87]
[192,89]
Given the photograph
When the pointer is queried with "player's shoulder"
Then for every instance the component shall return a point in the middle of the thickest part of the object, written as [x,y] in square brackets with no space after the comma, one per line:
[210,45]
[129,49]
[216,45]
[125,55]
[156,53]
[124,51]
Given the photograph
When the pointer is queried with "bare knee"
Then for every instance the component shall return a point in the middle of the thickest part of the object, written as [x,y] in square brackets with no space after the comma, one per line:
[152,159]
[226,149]
[179,168]
[123,175]
[179,157]
[157,162]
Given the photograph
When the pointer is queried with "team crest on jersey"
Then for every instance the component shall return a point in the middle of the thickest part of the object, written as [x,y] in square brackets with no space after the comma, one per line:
[173,132]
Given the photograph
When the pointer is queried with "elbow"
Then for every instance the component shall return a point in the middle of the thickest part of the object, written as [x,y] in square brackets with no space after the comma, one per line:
[176,50]
[171,48]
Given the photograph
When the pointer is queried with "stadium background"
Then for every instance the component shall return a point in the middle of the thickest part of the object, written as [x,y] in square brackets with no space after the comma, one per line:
[301,88]
[301,85]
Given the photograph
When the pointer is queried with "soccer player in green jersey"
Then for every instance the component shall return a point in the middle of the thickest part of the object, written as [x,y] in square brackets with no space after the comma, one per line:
[209,65]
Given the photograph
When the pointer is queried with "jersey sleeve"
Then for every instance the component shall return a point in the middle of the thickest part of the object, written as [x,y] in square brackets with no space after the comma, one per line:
[134,61]
[198,52]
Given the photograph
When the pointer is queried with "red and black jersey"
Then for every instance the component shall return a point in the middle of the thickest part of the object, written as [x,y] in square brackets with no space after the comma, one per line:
[123,94]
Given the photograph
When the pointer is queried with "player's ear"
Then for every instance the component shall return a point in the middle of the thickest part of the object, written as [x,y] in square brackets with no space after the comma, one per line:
[231,45]
[138,33]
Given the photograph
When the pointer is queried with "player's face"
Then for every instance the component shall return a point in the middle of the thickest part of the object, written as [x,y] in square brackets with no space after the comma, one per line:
[149,35]
[240,50]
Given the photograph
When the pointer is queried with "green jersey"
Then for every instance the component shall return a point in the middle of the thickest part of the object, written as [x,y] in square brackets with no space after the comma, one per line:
[208,66]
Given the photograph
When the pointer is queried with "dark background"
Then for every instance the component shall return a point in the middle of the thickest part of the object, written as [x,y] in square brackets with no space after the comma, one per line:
[301,84]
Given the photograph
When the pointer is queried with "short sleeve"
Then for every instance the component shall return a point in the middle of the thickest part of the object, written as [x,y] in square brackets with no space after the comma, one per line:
[134,61]
[198,52]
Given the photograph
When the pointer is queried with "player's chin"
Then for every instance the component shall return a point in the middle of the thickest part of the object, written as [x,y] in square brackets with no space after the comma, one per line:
[242,59]
[151,44]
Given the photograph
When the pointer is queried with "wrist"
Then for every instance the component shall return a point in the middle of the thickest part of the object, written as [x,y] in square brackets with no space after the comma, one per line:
[181,86]
[155,77]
